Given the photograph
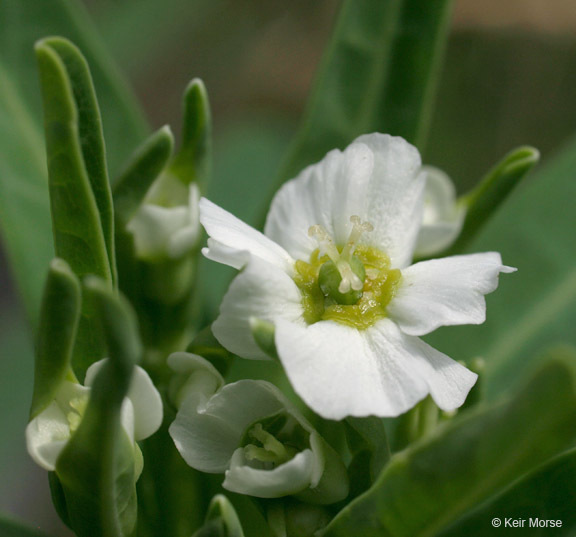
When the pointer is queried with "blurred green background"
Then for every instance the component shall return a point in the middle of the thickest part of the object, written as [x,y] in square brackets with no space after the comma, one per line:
[509,79]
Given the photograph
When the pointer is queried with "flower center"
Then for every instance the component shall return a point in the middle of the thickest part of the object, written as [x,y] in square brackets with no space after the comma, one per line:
[351,285]
[267,448]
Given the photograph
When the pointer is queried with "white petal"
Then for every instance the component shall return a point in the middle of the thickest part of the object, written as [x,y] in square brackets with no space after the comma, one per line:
[238,237]
[288,478]
[448,381]
[395,196]
[261,290]
[147,404]
[196,378]
[340,371]
[127,418]
[447,291]
[326,193]
[145,399]
[443,217]
[207,437]
[46,436]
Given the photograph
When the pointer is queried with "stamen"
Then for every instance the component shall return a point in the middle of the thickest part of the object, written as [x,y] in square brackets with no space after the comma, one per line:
[325,243]
[350,280]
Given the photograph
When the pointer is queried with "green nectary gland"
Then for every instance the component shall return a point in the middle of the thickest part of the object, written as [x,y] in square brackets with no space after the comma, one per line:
[379,288]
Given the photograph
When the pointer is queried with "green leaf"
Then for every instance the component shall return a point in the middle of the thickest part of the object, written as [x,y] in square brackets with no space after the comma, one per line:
[433,483]
[545,494]
[193,161]
[79,191]
[491,192]
[536,306]
[55,341]
[96,469]
[369,435]
[80,197]
[24,204]
[379,74]
[221,520]
[147,163]
[12,528]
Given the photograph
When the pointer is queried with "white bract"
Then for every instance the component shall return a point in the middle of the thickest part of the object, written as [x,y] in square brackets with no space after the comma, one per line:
[332,272]
[250,432]
[442,217]
[166,231]
[48,433]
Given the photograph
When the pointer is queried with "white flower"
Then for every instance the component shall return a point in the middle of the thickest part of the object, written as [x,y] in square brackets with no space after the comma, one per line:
[250,432]
[442,217]
[48,433]
[166,231]
[332,273]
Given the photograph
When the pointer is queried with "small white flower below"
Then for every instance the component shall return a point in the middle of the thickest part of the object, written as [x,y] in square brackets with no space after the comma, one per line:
[48,433]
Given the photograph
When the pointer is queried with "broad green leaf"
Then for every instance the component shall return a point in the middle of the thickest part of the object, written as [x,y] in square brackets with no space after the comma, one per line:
[24,204]
[491,192]
[12,528]
[96,469]
[379,74]
[536,306]
[56,333]
[545,494]
[431,484]
[79,192]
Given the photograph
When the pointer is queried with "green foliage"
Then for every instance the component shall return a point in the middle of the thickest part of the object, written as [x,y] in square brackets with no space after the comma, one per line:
[491,192]
[433,483]
[193,161]
[221,520]
[80,198]
[546,494]
[144,166]
[56,334]
[96,469]
[24,202]
[535,307]
[379,74]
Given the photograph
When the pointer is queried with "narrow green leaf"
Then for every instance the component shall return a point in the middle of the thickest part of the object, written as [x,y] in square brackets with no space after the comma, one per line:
[143,168]
[193,161]
[58,323]
[379,74]
[491,192]
[90,135]
[12,528]
[80,236]
[545,494]
[97,467]
[432,484]
[81,233]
